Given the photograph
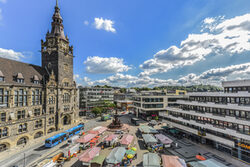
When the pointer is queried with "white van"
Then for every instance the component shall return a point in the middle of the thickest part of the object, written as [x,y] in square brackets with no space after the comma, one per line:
[73,140]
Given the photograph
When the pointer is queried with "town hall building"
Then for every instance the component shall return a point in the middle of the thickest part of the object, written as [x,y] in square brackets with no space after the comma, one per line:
[38,100]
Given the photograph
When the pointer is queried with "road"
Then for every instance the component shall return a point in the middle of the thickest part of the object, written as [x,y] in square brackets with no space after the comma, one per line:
[34,153]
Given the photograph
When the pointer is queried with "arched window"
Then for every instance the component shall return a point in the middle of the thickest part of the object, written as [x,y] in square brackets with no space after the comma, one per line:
[38,134]
[3,147]
[23,140]
[51,130]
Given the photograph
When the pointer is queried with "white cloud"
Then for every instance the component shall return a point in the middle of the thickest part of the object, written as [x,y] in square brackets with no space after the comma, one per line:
[101,65]
[209,20]
[104,24]
[10,54]
[86,79]
[76,76]
[3,1]
[86,22]
[216,75]
[228,36]
[212,77]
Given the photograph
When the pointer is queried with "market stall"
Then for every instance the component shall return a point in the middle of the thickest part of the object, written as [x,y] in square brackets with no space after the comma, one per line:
[127,140]
[164,140]
[88,155]
[172,161]
[116,156]
[98,130]
[206,163]
[84,141]
[97,161]
[111,139]
[147,130]
[151,159]
[149,139]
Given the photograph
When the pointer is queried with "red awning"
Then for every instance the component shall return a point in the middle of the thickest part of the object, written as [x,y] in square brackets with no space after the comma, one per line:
[86,138]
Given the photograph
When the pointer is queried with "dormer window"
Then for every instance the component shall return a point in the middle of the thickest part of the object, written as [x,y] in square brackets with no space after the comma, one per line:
[20,78]
[36,79]
[1,76]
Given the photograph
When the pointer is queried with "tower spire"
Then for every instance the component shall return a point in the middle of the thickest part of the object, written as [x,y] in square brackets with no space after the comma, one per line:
[57,23]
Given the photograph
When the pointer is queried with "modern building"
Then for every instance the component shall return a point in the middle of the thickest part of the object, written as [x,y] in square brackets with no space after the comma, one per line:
[148,104]
[37,100]
[124,101]
[219,119]
[90,97]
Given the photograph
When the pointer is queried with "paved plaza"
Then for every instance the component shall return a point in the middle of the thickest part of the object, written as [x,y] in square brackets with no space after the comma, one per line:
[186,149]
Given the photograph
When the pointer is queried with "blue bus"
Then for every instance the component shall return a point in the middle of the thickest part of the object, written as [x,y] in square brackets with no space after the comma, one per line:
[54,140]
[75,130]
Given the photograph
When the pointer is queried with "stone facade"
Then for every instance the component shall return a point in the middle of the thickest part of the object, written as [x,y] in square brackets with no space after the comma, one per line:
[36,101]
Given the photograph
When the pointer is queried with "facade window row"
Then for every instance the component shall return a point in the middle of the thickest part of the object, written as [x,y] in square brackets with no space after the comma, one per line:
[218,111]
[236,89]
[222,100]
[217,123]
[152,105]
[152,99]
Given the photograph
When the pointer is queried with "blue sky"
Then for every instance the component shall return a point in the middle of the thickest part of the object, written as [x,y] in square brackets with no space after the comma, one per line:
[137,42]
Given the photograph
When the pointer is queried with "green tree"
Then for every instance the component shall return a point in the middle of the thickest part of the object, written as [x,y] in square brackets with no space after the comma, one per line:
[97,110]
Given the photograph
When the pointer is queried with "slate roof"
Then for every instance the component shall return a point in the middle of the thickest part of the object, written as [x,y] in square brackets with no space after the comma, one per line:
[11,68]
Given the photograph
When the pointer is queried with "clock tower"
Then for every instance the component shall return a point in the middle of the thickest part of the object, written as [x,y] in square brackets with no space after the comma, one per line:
[57,54]
[57,60]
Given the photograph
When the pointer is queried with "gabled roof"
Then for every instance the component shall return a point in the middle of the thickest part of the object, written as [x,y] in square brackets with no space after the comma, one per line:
[11,68]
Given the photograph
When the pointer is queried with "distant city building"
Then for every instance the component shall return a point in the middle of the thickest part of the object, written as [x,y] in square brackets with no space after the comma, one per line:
[124,101]
[37,100]
[219,119]
[148,104]
[90,97]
